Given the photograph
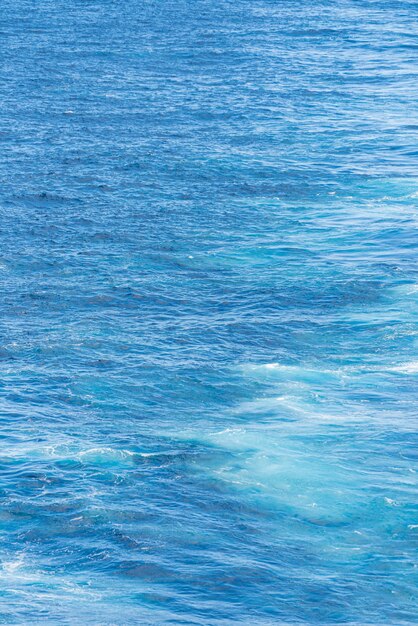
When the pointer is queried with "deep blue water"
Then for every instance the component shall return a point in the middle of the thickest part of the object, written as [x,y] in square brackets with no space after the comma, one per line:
[209,307]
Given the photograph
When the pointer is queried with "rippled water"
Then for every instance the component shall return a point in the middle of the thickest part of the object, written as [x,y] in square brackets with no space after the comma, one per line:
[209,306]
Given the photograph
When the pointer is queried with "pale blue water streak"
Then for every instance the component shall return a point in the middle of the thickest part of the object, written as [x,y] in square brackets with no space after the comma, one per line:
[209,331]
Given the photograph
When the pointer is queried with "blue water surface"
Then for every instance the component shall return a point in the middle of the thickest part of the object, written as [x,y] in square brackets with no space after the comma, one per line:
[209,307]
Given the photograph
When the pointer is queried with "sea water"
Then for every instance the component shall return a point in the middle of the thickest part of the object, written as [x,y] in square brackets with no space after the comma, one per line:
[209,306]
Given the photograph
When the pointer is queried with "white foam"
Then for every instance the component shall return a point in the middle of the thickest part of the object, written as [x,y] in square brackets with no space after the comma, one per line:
[106,456]
[406,368]
[12,566]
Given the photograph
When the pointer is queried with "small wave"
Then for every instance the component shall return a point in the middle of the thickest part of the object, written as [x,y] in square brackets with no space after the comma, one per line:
[406,368]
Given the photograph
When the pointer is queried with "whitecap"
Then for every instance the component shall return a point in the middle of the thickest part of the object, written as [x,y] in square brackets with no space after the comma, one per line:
[410,367]
[106,456]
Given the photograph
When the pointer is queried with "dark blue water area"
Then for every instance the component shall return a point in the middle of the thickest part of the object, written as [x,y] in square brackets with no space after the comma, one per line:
[208,312]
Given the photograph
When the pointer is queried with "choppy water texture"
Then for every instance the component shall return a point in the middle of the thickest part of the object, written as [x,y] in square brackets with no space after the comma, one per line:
[209,312]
